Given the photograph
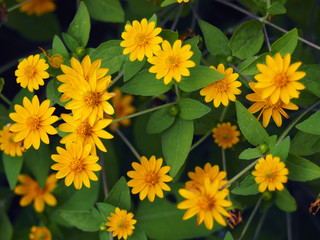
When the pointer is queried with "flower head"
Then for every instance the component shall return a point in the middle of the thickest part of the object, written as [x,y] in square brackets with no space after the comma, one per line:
[32,192]
[76,164]
[31,72]
[180,1]
[278,79]
[270,173]
[40,233]
[208,203]
[226,135]
[149,177]
[85,132]
[224,90]
[7,144]
[38,7]
[121,223]
[172,62]
[141,39]
[33,122]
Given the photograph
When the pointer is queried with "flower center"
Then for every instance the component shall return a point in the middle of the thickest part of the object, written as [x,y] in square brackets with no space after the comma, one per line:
[91,99]
[269,174]
[225,136]
[41,235]
[33,122]
[123,224]
[141,39]
[172,62]
[76,165]
[280,79]
[84,129]
[206,203]
[151,178]
[221,86]
[30,72]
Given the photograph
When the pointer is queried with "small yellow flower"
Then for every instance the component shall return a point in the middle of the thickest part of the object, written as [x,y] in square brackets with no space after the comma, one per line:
[180,1]
[31,72]
[208,204]
[141,39]
[224,90]
[226,135]
[7,144]
[149,177]
[121,223]
[40,233]
[172,62]
[32,192]
[271,173]
[38,7]
[268,108]
[33,122]
[76,164]
[278,79]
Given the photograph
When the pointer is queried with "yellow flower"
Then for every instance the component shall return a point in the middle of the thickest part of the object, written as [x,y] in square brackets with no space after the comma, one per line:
[199,175]
[268,108]
[33,122]
[83,70]
[180,1]
[32,192]
[278,79]
[75,164]
[271,173]
[40,233]
[224,90]
[84,132]
[149,177]
[208,204]
[8,145]
[31,72]
[38,7]
[172,62]
[121,223]
[140,39]
[123,106]
[226,135]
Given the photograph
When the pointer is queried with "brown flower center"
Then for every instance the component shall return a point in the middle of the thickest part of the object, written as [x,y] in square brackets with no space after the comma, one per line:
[206,202]
[151,178]
[76,165]
[84,129]
[91,99]
[33,123]
[30,72]
[221,86]
[280,79]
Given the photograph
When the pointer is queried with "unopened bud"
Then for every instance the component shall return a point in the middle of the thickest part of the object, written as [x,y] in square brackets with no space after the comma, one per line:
[263,148]
[80,51]
[229,59]
[103,227]
[174,110]
[266,196]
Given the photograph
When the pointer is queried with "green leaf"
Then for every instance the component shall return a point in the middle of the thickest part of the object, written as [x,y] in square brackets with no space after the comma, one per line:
[120,195]
[167,2]
[176,143]
[228,236]
[38,162]
[216,42]
[145,84]
[12,168]
[248,186]
[192,109]
[4,116]
[160,121]
[105,210]
[301,169]
[250,67]
[250,127]
[169,35]
[303,144]
[250,153]
[87,221]
[132,68]
[153,19]
[105,10]
[310,80]
[80,26]
[110,54]
[200,76]
[1,84]
[247,39]
[281,150]
[284,201]
[311,125]
[194,48]
[138,234]
[286,44]
[276,8]
[104,235]
[18,99]
[70,41]
[52,92]
[59,48]
[6,228]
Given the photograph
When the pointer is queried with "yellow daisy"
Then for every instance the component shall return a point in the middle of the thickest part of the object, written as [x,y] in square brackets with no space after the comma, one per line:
[40,233]
[84,132]
[38,7]
[199,175]
[141,39]
[149,177]
[76,164]
[208,204]
[226,135]
[270,173]
[121,223]
[172,62]
[268,108]
[32,192]
[278,79]
[82,70]
[180,1]
[123,106]
[224,90]
[31,72]
[7,144]
[33,122]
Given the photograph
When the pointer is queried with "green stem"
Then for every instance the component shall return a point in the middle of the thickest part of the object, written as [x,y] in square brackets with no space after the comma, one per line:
[18,5]
[289,229]
[204,61]
[5,99]
[104,178]
[250,218]
[116,79]
[143,112]
[223,114]
[200,140]
[177,91]
[260,223]
[224,165]
[175,22]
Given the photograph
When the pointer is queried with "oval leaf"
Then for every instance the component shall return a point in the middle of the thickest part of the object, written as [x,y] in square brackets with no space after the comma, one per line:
[285,201]
[311,125]
[286,44]
[248,186]
[192,109]
[105,11]
[160,121]
[281,150]
[120,195]
[12,168]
